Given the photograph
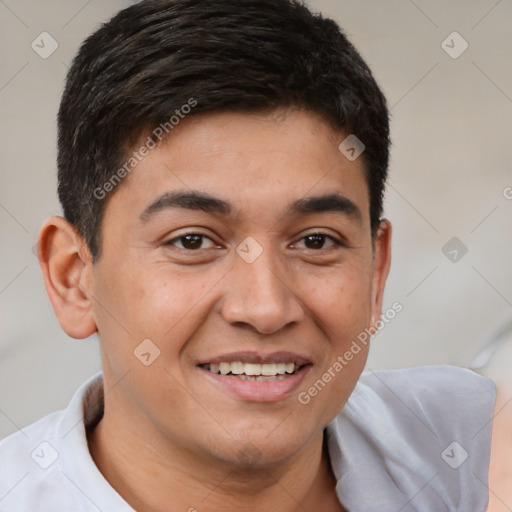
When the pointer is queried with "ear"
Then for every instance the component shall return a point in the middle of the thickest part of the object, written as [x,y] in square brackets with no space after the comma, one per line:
[66,264]
[381,265]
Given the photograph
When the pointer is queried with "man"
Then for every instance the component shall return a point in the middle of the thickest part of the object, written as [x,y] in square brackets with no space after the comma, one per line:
[221,171]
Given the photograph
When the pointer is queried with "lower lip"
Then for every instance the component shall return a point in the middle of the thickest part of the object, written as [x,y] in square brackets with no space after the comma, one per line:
[259,391]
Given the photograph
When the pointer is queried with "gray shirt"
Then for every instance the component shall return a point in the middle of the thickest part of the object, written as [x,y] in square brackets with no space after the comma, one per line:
[407,440]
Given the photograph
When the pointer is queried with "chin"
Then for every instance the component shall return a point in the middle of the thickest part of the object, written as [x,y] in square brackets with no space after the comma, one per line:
[260,449]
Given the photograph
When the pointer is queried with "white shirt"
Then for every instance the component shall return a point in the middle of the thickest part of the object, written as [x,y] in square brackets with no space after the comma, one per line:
[414,440]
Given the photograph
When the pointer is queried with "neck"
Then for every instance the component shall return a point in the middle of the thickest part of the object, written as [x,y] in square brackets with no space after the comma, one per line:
[189,481]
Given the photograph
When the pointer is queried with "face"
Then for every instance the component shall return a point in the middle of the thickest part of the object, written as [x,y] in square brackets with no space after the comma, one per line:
[241,251]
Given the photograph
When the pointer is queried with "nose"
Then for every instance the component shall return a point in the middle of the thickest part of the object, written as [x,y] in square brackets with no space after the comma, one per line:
[260,295]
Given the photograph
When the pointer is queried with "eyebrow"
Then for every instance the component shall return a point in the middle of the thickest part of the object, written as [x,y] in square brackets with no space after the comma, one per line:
[189,200]
[334,202]
[200,201]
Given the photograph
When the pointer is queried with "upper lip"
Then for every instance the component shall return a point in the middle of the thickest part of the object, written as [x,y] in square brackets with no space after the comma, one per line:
[258,357]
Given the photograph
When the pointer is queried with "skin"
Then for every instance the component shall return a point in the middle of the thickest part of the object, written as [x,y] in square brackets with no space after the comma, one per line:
[500,493]
[197,446]
[500,468]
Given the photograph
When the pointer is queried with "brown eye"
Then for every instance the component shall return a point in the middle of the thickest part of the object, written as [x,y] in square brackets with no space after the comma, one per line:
[318,241]
[315,241]
[191,242]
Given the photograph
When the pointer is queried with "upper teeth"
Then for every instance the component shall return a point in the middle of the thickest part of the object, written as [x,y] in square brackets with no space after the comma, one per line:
[239,368]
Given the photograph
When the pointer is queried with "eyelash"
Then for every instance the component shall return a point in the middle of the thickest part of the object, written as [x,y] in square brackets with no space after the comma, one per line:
[326,236]
[335,241]
[171,242]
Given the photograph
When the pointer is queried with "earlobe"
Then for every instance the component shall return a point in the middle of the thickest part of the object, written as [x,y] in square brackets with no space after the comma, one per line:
[381,266]
[67,270]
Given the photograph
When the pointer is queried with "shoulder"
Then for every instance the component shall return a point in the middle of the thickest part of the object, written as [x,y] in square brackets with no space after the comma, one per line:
[41,463]
[443,396]
[30,469]
[23,439]
[422,378]
[417,437]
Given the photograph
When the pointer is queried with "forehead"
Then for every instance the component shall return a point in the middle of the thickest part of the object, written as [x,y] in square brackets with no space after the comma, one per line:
[254,162]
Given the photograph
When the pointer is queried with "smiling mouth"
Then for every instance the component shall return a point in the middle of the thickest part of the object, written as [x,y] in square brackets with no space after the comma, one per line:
[254,371]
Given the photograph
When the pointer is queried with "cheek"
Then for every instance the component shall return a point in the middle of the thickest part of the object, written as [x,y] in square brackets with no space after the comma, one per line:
[341,298]
[152,303]
[171,301]
[169,308]
[341,303]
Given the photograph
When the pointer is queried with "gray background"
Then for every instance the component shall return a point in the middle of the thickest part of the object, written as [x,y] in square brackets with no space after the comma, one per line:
[451,163]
